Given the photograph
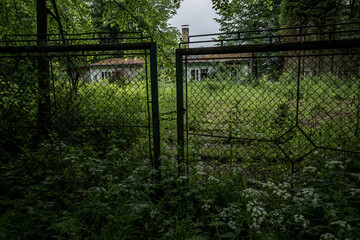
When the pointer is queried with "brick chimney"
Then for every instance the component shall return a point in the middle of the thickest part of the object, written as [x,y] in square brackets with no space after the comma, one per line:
[185,34]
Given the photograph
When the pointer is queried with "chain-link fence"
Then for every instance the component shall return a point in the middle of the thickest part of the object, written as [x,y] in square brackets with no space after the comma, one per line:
[94,90]
[269,103]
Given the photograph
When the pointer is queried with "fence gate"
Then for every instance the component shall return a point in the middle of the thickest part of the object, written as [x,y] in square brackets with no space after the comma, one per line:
[81,88]
[269,99]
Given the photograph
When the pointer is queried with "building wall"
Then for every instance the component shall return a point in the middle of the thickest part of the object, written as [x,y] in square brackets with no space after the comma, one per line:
[122,73]
[197,71]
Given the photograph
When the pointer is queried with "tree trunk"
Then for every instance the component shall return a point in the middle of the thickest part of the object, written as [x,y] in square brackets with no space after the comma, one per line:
[44,103]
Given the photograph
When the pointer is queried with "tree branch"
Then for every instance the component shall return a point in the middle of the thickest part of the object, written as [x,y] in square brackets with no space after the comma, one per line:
[132,15]
[58,21]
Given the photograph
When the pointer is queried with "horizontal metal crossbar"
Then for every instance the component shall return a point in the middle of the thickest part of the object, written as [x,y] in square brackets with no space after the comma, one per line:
[72,39]
[294,34]
[291,46]
[278,29]
[76,48]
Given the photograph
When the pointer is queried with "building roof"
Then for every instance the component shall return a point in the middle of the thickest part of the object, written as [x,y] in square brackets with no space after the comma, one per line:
[238,57]
[119,61]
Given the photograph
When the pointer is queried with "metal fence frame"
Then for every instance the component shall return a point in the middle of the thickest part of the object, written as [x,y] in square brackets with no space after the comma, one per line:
[272,46]
[106,44]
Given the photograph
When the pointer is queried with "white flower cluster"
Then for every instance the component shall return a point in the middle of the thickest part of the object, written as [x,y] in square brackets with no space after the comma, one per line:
[229,215]
[342,224]
[354,192]
[250,193]
[280,191]
[154,214]
[232,224]
[305,195]
[277,219]
[206,207]
[257,214]
[309,169]
[327,236]
[334,165]
[213,179]
[298,218]
[202,169]
[356,176]
[182,179]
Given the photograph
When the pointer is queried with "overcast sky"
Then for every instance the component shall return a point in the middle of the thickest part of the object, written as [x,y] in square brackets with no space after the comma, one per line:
[198,14]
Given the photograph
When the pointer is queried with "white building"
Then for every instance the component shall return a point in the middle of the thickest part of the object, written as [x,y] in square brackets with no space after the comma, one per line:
[115,69]
[200,67]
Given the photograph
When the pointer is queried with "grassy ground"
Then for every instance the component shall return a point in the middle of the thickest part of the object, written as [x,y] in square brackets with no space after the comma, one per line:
[96,189]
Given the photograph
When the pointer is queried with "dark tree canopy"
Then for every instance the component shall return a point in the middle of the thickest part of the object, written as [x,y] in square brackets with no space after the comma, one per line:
[238,15]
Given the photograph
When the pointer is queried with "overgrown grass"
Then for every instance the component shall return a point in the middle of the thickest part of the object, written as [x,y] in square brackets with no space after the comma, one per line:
[85,196]
[102,188]
[271,120]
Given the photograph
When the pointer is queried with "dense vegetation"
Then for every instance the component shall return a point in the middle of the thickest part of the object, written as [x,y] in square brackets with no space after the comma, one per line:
[102,189]
[239,15]
[88,197]
[83,181]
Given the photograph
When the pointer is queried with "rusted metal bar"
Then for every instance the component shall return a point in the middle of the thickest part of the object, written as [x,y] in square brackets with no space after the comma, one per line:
[76,48]
[180,110]
[314,45]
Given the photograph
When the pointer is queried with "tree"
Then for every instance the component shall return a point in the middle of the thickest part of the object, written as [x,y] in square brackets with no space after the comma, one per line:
[75,16]
[309,12]
[252,14]
[44,102]
[19,16]
[240,15]
[147,16]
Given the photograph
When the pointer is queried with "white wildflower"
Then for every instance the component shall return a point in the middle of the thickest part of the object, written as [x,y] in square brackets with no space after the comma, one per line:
[309,169]
[285,185]
[280,191]
[213,179]
[229,213]
[354,192]
[232,224]
[257,214]
[200,169]
[327,236]
[334,165]
[251,193]
[206,207]
[182,179]
[154,214]
[306,194]
[342,224]
[356,176]
[298,218]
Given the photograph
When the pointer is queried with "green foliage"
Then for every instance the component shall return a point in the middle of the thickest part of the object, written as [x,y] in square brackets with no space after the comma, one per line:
[148,17]
[77,16]
[98,190]
[305,12]
[83,196]
[248,15]
[97,183]
[19,17]
[239,15]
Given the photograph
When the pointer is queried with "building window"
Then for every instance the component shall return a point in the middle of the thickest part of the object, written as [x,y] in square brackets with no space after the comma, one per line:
[195,75]
[105,75]
[204,73]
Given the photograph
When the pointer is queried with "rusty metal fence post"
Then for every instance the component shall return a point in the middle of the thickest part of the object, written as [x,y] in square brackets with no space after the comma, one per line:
[155,111]
[180,111]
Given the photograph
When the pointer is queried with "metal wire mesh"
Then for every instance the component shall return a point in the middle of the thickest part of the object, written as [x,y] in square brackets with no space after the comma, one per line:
[99,98]
[271,107]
